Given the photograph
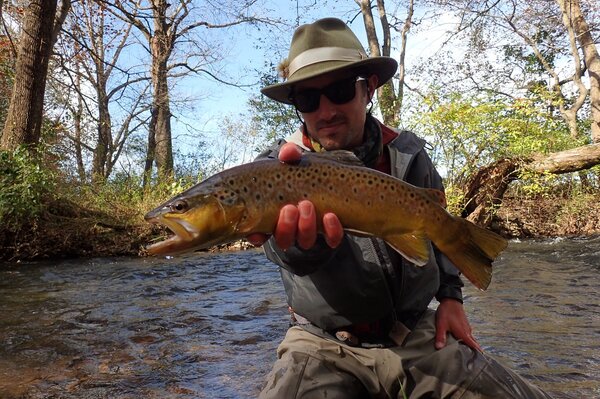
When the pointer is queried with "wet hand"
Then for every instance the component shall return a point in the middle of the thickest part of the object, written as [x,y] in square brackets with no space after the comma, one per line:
[450,318]
[298,223]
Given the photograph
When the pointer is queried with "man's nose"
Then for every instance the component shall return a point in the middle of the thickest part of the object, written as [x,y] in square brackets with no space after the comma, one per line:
[327,109]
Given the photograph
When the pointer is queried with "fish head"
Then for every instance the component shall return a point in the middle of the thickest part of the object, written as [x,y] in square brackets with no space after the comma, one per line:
[198,218]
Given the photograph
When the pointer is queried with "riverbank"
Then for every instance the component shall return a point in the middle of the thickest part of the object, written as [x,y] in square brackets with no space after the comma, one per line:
[65,230]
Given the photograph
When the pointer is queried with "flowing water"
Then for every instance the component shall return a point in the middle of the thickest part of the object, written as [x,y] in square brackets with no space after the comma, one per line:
[207,325]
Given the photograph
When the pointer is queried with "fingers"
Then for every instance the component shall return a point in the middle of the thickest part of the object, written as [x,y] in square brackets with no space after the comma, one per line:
[471,342]
[307,225]
[287,225]
[298,224]
[290,153]
[441,332]
[333,229]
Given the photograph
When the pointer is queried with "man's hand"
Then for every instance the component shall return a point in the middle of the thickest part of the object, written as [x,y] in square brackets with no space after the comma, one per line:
[298,223]
[450,318]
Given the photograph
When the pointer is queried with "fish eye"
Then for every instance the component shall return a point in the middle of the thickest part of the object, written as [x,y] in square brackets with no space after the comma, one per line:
[179,206]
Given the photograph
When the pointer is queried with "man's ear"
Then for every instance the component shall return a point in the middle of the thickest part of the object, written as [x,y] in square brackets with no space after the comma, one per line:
[372,85]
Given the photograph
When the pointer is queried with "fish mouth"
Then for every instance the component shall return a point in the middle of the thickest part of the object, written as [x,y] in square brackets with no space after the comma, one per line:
[182,234]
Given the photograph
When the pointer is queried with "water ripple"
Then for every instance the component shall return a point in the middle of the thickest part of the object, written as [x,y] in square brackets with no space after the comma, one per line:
[207,325]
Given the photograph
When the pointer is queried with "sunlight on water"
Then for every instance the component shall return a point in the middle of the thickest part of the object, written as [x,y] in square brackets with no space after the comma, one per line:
[207,325]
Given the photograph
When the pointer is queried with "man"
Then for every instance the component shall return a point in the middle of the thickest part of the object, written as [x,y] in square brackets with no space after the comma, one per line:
[361,322]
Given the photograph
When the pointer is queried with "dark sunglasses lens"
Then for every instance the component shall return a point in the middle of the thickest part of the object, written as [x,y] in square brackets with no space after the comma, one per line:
[341,92]
[307,100]
[338,93]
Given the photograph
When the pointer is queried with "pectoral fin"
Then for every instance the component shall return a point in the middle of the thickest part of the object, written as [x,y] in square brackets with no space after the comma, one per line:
[414,247]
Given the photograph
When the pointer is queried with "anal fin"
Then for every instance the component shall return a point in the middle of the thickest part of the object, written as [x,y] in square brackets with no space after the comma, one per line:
[414,247]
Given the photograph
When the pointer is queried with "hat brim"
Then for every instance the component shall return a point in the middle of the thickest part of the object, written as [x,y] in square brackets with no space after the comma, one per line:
[383,67]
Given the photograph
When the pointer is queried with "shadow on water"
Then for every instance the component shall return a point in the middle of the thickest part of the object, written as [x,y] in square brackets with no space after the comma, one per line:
[207,325]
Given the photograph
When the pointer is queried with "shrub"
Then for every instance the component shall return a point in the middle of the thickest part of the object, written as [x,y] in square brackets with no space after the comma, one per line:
[24,184]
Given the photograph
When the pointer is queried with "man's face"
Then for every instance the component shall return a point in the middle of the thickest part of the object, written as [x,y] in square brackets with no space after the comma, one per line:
[338,126]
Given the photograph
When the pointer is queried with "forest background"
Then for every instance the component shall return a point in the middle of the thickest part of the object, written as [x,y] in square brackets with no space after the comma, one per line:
[109,107]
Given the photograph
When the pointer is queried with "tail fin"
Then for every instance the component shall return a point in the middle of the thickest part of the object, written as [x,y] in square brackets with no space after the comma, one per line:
[474,251]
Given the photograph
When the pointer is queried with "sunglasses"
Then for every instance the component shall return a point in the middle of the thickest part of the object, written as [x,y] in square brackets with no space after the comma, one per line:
[339,92]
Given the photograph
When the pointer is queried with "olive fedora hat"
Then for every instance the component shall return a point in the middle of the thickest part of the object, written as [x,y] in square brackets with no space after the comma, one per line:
[327,45]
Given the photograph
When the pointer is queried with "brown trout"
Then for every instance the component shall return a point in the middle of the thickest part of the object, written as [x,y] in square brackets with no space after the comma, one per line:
[246,199]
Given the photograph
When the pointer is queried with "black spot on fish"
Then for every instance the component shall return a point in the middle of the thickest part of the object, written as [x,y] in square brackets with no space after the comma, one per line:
[280,197]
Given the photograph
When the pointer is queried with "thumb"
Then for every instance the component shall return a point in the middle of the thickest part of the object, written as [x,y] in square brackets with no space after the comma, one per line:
[440,338]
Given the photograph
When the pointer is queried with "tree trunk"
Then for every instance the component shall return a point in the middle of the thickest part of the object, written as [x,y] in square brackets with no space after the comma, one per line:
[572,12]
[161,112]
[485,189]
[401,59]
[104,139]
[390,101]
[78,128]
[24,121]
[385,93]
[161,47]
[103,150]
[150,151]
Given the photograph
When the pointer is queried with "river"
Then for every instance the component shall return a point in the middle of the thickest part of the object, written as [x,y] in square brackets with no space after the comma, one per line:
[207,325]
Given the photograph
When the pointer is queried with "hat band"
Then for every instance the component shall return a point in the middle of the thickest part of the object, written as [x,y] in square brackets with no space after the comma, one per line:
[323,54]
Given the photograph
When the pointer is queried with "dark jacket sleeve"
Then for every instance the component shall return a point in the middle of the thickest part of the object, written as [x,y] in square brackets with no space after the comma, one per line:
[423,174]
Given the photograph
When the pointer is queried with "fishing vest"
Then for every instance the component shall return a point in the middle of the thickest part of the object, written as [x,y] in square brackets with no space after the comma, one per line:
[365,280]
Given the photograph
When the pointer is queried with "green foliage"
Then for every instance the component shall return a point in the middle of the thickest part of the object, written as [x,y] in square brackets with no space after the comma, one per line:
[271,119]
[533,185]
[454,199]
[575,211]
[468,133]
[25,183]
[123,197]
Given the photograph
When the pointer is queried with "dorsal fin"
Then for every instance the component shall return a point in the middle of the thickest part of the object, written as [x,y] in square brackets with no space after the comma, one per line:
[341,156]
[437,196]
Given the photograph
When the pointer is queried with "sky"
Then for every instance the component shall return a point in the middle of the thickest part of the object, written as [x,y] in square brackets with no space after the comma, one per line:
[224,99]
[211,100]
